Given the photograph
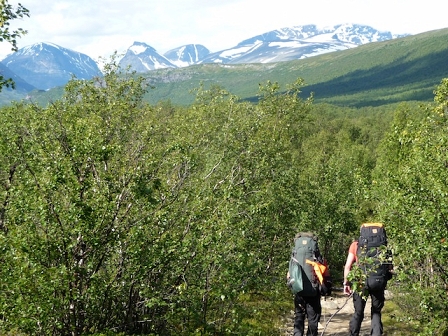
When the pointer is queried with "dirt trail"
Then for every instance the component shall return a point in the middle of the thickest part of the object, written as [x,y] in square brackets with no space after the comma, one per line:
[338,325]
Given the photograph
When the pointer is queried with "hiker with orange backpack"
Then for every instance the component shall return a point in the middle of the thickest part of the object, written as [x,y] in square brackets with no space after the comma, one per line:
[371,245]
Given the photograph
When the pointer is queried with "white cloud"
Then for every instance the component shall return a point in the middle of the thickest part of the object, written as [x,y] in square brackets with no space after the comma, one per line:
[100,27]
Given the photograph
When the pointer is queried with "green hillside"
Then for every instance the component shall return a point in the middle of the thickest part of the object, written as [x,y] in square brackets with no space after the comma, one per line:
[379,73]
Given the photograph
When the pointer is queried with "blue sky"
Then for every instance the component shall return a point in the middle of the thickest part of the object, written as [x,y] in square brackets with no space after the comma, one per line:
[100,27]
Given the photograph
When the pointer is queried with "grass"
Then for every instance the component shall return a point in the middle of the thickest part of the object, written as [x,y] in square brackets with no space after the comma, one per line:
[396,322]
[265,315]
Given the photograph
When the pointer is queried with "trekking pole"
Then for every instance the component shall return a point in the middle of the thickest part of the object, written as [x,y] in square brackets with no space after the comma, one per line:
[337,311]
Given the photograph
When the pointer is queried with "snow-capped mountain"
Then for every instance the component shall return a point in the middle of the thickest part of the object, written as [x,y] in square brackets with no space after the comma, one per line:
[274,46]
[47,65]
[141,57]
[187,55]
[298,42]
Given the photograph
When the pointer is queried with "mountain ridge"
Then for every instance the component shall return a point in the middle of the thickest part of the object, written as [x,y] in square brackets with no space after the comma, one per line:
[46,65]
[386,72]
[280,45]
[382,73]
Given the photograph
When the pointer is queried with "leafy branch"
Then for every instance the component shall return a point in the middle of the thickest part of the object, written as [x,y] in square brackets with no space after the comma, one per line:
[367,265]
[8,13]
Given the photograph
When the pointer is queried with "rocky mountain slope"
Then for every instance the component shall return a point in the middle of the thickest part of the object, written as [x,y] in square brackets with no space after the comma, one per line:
[47,65]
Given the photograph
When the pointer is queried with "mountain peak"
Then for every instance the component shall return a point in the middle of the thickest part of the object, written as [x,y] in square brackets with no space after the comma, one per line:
[140,48]
[141,57]
[43,47]
[47,65]
[187,54]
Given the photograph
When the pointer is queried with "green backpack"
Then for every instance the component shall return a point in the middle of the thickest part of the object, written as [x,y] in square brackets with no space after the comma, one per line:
[302,279]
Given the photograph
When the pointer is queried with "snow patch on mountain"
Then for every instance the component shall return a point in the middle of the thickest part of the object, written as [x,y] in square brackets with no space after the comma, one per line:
[137,49]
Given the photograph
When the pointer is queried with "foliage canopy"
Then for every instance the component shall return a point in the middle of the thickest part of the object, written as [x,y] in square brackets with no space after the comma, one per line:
[121,216]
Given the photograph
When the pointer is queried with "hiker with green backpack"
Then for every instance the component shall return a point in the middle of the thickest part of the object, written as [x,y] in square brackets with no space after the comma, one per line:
[308,278]
[370,254]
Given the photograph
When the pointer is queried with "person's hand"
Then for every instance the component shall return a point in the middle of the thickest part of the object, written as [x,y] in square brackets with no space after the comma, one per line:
[347,289]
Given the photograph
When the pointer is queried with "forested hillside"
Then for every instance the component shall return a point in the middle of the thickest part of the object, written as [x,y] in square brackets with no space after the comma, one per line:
[118,216]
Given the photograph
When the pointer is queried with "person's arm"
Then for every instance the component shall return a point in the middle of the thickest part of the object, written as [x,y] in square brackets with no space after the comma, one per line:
[348,265]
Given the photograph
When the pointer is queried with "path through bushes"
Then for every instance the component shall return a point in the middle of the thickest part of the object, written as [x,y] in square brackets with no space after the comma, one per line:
[338,324]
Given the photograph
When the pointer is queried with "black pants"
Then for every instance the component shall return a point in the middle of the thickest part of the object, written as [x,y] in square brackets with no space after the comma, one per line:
[377,298]
[306,306]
